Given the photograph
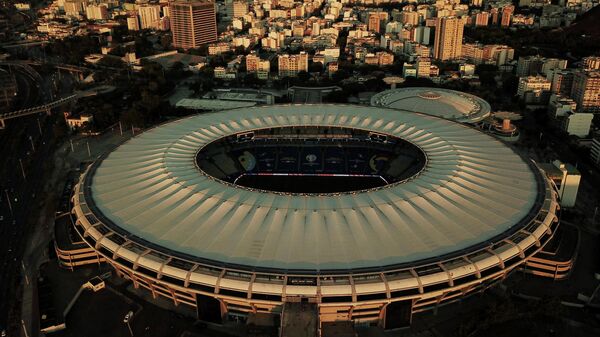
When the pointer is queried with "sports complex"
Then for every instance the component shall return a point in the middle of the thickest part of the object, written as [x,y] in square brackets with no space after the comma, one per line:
[449,104]
[367,214]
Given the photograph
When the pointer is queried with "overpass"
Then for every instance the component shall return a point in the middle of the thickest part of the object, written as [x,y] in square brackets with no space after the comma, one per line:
[102,89]
[30,111]
[68,67]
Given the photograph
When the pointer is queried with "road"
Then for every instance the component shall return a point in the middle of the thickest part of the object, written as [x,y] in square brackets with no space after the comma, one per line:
[25,151]
[19,201]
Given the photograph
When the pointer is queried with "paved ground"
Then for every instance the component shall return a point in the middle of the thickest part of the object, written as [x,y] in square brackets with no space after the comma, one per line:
[65,159]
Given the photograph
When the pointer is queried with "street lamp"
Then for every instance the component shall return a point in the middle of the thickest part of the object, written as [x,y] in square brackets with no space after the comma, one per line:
[9,204]
[127,319]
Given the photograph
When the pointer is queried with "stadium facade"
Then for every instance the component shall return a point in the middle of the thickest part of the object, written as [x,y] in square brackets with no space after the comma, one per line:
[442,211]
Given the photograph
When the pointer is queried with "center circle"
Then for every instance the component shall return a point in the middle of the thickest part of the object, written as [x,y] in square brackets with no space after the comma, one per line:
[311,159]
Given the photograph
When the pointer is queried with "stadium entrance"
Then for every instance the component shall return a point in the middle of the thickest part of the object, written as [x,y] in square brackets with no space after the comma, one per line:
[311,160]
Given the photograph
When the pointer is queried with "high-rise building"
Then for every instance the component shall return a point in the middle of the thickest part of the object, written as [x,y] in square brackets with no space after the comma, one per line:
[562,82]
[586,90]
[236,8]
[374,23]
[133,23]
[481,19]
[423,66]
[74,7]
[193,23]
[562,110]
[149,16]
[410,18]
[495,15]
[534,89]
[591,63]
[448,38]
[291,65]
[255,65]
[507,13]
[595,151]
[96,12]
[500,54]
[535,64]
[473,52]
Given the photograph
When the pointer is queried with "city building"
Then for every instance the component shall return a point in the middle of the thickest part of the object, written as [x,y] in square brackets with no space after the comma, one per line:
[380,58]
[591,63]
[409,70]
[562,82]
[507,13]
[291,65]
[149,16]
[566,178]
[595,151]
[534,65]
[225,73]
[374,22]
[586,90]
[480,19]
[563,111]
[423,65]
[534,89]
[255,65]
[77,122]
[236,8]
[332,68]
[74,7]
[96,12]
[448,38]
[270,248]
[219,48]
[133,23]
[193,23]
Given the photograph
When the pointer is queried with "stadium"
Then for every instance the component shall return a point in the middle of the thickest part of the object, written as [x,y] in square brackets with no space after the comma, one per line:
[363,213]
[449,104]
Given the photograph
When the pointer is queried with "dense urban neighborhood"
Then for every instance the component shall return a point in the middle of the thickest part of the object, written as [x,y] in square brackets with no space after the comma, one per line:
[299,168]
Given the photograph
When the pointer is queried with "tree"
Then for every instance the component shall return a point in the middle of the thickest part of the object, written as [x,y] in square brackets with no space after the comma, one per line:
[337,96]
[340,75]
[165,41]
[303,76]
[112,62]
[315,67]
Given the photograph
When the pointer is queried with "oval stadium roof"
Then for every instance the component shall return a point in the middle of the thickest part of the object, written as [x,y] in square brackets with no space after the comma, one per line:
[445,103]
[472,189]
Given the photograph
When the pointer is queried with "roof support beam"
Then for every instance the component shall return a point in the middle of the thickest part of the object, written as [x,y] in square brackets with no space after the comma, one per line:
[137,259]
[477,271]
[450,279]
[99,241]
[501,262]
[388,293]
[218,284]
[116,251]
[415,275]
[160,270]
[521,253]
[186,283]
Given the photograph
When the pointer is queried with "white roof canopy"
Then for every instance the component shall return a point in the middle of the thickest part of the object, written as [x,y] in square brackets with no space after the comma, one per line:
[473,188]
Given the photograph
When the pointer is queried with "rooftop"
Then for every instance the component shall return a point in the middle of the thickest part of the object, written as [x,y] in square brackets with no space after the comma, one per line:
[473,189]
[445,103]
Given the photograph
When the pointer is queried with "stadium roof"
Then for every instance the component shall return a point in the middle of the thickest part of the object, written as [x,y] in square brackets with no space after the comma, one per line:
[445,103]
[473,189]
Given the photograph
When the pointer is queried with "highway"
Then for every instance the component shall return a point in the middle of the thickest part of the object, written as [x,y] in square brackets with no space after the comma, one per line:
[19,201]
[27,148]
